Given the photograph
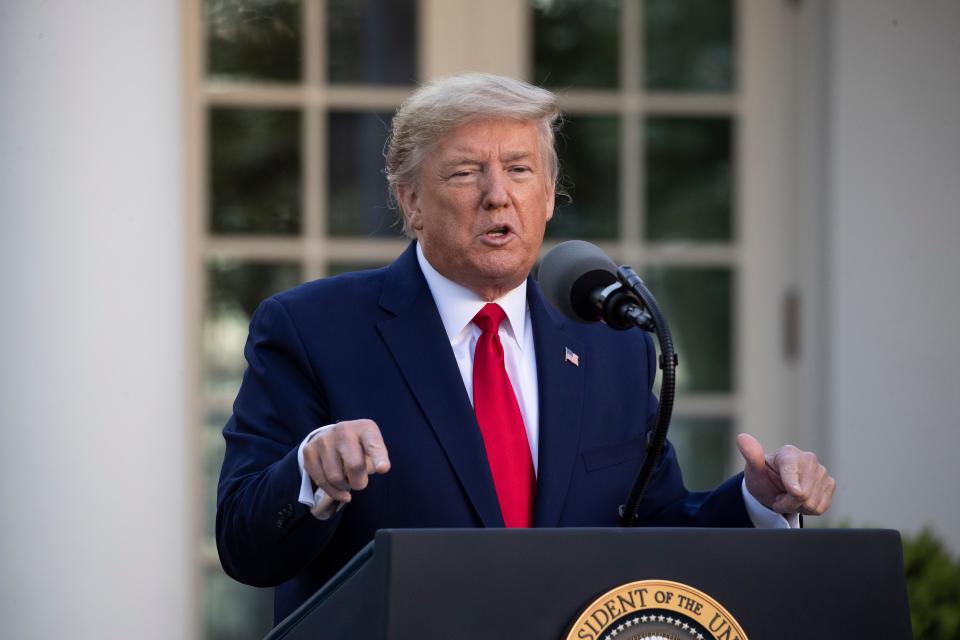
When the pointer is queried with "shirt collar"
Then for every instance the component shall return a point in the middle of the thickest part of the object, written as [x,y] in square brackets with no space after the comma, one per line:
[458,305]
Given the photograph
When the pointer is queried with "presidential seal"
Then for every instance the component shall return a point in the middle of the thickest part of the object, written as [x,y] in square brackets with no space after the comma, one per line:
[655,610]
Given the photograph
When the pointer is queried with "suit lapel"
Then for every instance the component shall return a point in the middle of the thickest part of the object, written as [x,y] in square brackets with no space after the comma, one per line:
[561,401]
[417,341]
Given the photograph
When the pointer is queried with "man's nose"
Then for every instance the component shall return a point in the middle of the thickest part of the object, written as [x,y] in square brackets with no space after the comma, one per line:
[496,189]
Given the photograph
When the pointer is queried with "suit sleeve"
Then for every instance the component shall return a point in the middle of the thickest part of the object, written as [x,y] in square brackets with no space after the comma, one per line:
[673,505]
[264,536]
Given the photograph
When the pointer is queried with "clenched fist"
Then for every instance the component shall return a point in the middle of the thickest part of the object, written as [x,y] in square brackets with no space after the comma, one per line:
[341,457]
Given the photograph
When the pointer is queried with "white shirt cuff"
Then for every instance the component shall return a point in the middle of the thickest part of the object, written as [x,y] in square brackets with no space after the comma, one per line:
[321,505]
[764,518]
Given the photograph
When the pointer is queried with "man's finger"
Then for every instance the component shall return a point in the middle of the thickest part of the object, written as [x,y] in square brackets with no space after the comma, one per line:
[752,452]
[787,503]
[822,495]
[814,485]
[315,469]
[787,464]
[313,466]
[811,474]
[830,486]
[332,465]
[354,462]
[375,449]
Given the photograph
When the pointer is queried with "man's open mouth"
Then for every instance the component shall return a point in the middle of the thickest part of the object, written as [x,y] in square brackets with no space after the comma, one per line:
[498,231]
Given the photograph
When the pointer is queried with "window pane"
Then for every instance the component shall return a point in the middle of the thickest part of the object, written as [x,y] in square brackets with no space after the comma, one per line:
[703,446]
[689,178]
[234,611]
[589,149]
[372,41]
[689,45]
[233,293]
[253,39]
[575,43]
[336,268]
[697,303]
[358,186]
[254,158]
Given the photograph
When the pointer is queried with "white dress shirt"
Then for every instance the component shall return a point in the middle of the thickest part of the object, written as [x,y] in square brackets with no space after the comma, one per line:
[457,306]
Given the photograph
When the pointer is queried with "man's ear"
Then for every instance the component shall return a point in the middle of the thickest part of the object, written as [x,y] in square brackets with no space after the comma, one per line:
[410,206]
[551,200]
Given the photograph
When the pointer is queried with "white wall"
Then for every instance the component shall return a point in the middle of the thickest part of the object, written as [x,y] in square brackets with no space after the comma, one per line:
[96,535]
[894,235]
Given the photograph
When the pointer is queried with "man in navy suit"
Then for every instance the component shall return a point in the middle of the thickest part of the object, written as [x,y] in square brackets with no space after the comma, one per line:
[367,399]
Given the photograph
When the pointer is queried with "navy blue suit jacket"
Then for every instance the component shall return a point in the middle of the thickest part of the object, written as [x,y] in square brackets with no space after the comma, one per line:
[372,345]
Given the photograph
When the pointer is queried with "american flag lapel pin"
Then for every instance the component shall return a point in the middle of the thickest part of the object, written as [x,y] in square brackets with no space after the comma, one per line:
[571,357]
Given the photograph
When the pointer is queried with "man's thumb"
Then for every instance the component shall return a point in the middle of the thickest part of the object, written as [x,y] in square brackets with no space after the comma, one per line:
[752,452]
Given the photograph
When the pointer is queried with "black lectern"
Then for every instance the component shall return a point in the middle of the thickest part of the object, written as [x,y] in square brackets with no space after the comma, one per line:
[534,583]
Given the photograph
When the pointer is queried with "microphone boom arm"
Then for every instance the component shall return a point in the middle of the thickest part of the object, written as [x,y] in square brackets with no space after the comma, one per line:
[649,318]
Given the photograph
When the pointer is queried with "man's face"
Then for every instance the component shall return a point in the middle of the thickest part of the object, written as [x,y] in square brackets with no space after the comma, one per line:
[481,204]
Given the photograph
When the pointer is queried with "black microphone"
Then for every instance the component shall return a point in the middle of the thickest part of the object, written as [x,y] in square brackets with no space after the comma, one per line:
[580,280]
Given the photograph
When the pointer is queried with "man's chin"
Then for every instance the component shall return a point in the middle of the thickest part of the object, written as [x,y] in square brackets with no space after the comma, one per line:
[502,280]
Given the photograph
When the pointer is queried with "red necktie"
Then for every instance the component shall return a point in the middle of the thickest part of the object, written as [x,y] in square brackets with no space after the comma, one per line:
[501,423]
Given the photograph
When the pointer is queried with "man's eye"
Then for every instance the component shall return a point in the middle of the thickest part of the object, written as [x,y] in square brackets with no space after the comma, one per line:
[520,169]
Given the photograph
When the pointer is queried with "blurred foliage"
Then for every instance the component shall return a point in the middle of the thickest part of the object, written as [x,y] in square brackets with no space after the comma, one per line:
[236,285]
[698,301]
[589,150]
[234,611]
[234,291]
[357,204]
[933,584]
[690,45]
[372,41]
[702,445]
[690,178]
[253,39]
[255,170]
[337,267]
[576,43]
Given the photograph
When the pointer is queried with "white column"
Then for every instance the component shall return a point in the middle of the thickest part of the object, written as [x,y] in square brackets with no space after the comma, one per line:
[895,233]
[94,457]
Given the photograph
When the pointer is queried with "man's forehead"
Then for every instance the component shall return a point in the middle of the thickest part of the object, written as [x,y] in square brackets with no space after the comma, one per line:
[508,139]
[456,154]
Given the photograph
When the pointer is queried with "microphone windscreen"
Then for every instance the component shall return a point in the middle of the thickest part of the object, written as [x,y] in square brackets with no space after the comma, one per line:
[570,273]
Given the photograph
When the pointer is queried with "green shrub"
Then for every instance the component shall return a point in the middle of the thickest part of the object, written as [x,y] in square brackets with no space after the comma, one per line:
[933,584]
